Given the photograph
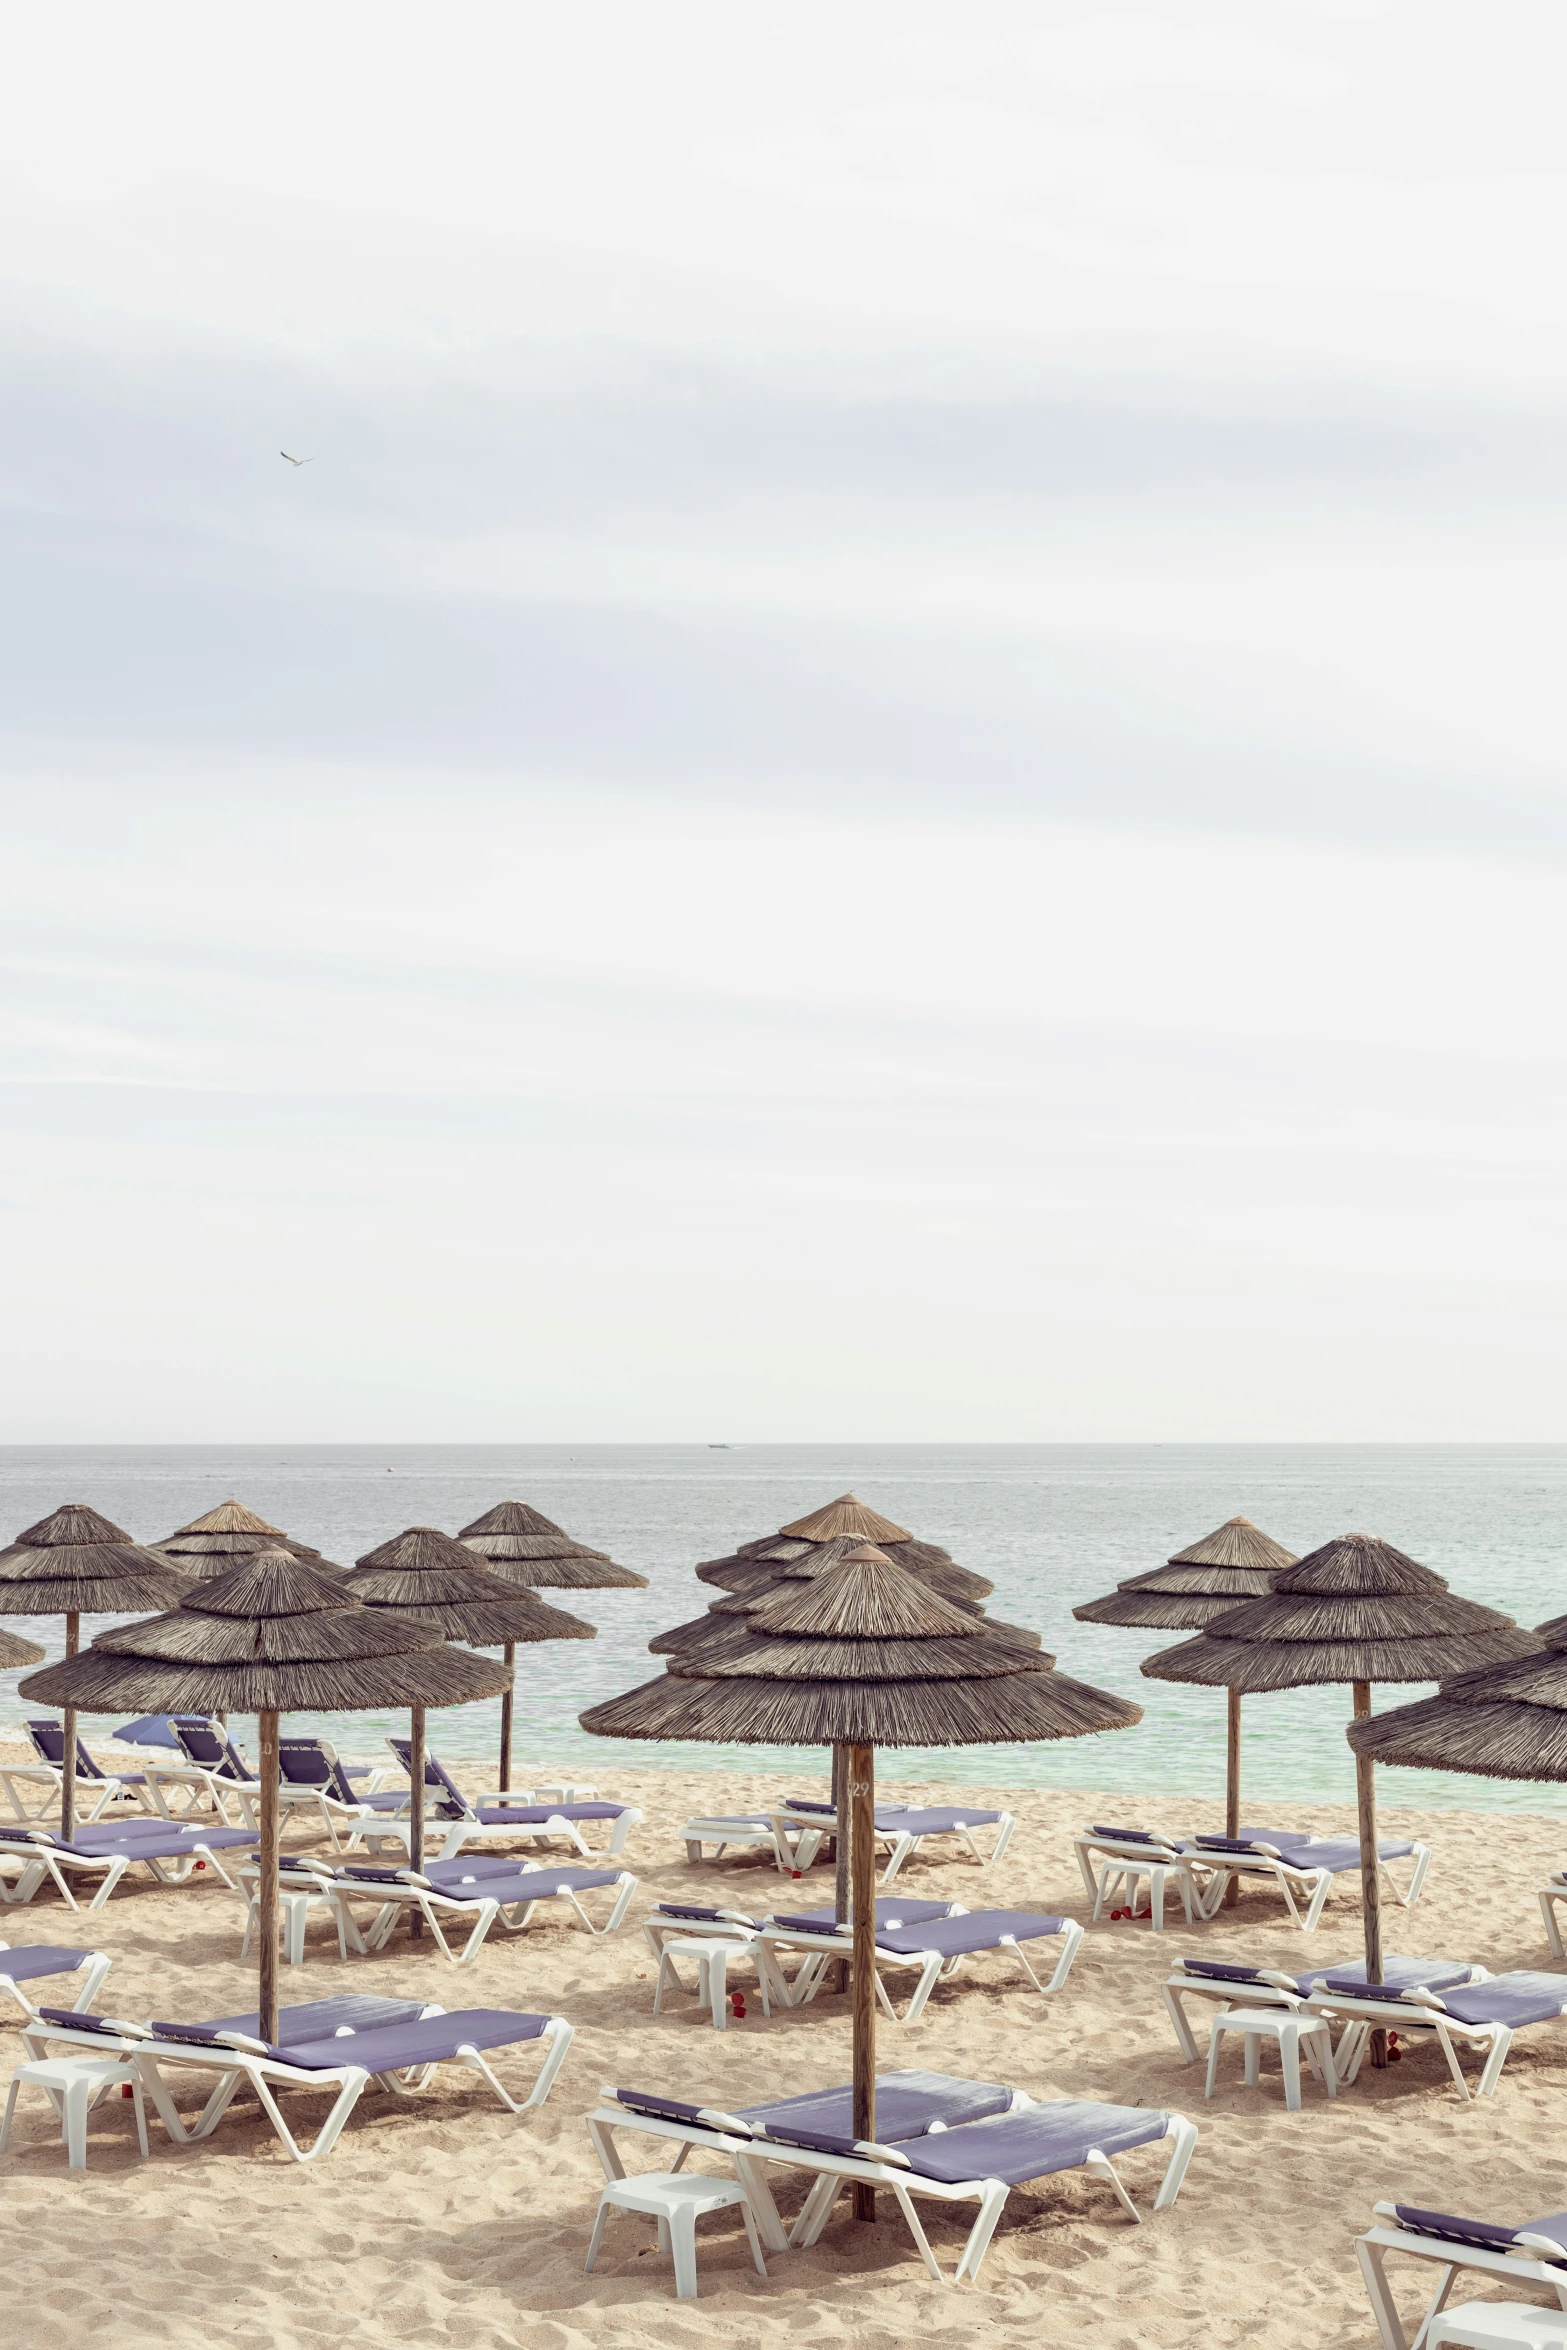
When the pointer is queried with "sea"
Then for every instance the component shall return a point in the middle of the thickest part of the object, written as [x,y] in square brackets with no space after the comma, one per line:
[1051,1525]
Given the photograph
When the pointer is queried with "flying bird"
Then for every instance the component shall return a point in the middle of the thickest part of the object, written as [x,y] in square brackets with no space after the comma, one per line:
[296,460]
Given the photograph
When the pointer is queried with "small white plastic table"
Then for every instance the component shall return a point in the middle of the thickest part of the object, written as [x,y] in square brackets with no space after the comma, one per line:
[710,1954]
[74,2085]
[1292,2029]
[677,2201]
[1499,2325]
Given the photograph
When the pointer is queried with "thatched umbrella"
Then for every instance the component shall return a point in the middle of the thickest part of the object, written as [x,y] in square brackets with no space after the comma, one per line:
[274,1635]
[860,1657]
[1506,1721]
[522,1545]
[807,1547]
[14,1651]
[1236,1561]
[221,1537]
[1357,1610]
[426,1577]
[78,1563]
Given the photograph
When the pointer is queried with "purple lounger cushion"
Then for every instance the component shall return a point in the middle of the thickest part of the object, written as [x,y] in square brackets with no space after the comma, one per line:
[1403,1974]
[533,1815]
[1031,2144]
[387,2048]
[316,2019]
[1334,1856]
[906,2105]
[905,1820]
[159,1840]
[1522,1998]
[450,1876]
[1482,2235]
[40,1958]
[978,1929]
[890,1915]
[710,1917]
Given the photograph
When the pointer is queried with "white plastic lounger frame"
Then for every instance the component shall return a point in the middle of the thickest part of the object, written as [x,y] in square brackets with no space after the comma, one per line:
[801,1834]
[1127,1859]
[1293,1873]
[725,1925]
[93,1966]
[1554,1890]
[935,1966]
[44,1863]
[238,2067]
[485,1909]
[1536,2260]
[1270,1989]
[94,1797]
[1419,2011]
[736,1828]
[749,2153]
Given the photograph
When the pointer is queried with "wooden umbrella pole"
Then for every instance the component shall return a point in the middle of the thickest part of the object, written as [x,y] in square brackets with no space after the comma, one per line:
[1232,1788]
[416,1812]
[509,1655]
[861,1775]
[1370,1868]
[73,1637]
[840,1803]
[266,1890]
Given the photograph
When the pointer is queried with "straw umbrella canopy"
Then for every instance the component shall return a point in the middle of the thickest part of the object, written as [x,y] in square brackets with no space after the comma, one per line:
[862,1656]
[522,1545]
[219,1538]
[823,1537]
[77,1563]
[1236,1561]
[1506,1721]
[274,1635]
[427,1577]
[14,1651]
[1357,1610]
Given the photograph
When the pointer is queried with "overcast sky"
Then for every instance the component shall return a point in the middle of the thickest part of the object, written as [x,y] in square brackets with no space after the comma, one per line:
[898,771]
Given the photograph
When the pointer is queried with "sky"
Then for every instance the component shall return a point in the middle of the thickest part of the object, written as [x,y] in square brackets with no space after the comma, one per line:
[896,773]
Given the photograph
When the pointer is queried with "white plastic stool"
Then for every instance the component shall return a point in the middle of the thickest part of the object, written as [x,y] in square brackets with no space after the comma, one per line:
[711,1953]
[1499,2325]
[1292,2030]
[677,2201]
[74,2085]
[296,1903]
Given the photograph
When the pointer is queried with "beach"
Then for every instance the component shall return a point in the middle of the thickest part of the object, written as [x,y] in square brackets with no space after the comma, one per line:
[444,2219]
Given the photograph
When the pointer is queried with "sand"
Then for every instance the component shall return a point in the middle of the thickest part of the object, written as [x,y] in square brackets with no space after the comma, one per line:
[447,2220]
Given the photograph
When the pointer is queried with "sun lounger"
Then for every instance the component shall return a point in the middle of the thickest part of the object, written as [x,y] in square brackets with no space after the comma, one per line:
[950,2140]
[1483,2016]
[211,1766]
[803,1826]
[312,1777]
[932,1937]
[1113,1861]
[489,1890]
[35,1962]
[338,2043]
[1305,1867]
[1231,1983]
[173,1854]
[499,1818]
[724,1829]
[96,1789]
[1489,2251]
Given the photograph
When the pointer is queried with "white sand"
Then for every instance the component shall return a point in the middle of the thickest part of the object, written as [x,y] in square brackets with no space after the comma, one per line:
[448,2221]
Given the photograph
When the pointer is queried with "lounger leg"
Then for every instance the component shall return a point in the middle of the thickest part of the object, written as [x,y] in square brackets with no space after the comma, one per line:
[1156,1898]
[603,2137]
[1214,2038]
[612,1923]
[1004,1837]
[1103,2168]
[814,2210]
[10,2108]
[1502,2040]
[753,2239]
[929,1977]
[1313,1914]
[1390,2326]
[1184,2134]
[992,2203]
[666,1967]
[1553,1935]
[488,1911]
[906,2206]
[1092,1884]
[112,1875]
[1183,2031]
[596,2239]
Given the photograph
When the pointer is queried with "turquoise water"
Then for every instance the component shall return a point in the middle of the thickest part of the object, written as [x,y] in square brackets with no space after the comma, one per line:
[1050,1524]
